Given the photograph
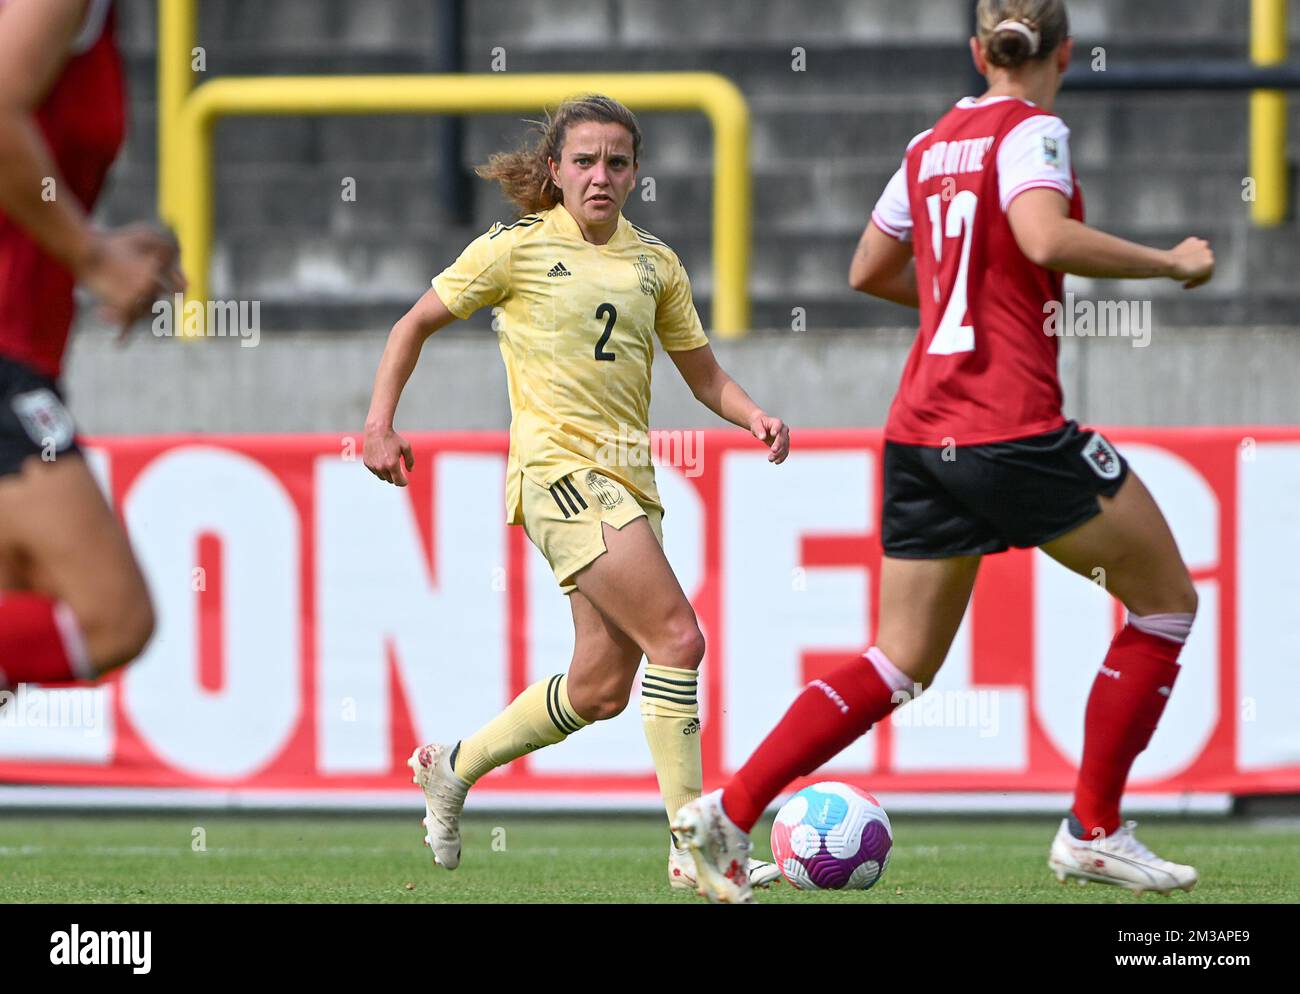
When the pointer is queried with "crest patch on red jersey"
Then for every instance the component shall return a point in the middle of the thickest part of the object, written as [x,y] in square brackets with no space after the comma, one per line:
[44,418]
[1102,457]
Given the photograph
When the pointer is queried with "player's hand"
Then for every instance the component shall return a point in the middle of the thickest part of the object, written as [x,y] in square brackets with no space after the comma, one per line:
[129,268]
[772,432]
[385,454]
[1192,263]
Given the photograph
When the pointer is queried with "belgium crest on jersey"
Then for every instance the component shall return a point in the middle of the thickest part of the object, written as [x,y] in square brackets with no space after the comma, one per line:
[645,271]
[608,495]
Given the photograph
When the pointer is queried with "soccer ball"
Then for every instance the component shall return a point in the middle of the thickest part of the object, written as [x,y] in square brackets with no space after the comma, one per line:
[831,836]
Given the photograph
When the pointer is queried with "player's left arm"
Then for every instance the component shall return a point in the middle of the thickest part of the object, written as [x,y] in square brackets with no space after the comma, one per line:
[677,324]
[722,395]
[126,269]
[35,38]
[884,267]
[1049,237]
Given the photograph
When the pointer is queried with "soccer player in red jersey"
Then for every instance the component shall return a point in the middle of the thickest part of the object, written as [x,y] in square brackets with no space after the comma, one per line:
[977,230]
[72,601]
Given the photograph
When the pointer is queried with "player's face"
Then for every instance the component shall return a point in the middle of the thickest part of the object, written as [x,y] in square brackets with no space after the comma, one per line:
[596,172]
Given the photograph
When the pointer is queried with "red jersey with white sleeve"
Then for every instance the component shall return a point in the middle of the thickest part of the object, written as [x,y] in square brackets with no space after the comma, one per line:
[983,368]
[83,120]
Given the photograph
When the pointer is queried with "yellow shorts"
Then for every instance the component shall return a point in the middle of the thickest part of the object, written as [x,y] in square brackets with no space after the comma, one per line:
[566,521]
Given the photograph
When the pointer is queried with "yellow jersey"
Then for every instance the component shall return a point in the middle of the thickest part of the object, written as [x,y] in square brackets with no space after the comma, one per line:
[576,324]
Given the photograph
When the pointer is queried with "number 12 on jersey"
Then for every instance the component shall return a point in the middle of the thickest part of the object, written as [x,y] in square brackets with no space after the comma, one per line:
[952,336]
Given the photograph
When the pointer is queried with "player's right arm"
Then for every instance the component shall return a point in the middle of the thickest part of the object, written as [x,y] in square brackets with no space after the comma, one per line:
[385,450]
[1051,238]
[126,269]
[480,277]
[884,267]
[884,264]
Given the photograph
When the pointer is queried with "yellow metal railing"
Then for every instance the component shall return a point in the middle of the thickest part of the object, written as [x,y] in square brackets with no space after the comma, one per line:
[177,32]
[1268,129]
[187,116]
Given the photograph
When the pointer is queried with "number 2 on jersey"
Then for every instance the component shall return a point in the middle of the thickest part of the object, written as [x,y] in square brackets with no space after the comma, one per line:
[610,313]
[952,337]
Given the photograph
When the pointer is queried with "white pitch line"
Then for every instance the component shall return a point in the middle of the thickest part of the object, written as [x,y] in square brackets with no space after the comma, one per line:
[305,850]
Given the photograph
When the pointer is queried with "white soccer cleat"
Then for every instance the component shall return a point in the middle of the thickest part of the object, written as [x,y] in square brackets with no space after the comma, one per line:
[1118,859]
[681,871]
[444,797]
[720,850]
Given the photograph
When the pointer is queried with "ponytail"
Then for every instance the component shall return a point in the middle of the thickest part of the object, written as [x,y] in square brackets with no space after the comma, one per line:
[1016,32]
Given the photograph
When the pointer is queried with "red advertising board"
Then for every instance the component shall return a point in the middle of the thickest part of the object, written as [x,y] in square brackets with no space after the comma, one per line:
[315,625]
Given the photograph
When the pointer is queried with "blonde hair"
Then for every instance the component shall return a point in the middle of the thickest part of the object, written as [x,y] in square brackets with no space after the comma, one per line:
[525,176]
[1015,32]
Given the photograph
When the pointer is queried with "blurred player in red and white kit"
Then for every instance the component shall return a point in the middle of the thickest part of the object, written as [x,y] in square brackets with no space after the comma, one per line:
[977,229]
[72,601]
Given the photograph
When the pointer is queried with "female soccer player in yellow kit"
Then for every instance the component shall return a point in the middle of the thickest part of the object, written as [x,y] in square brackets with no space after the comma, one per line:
[582,294]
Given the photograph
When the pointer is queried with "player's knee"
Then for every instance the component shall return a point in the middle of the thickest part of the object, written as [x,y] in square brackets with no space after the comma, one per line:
[603,692]
[118,632]
[1171,614]
[1179,598]
[913,664]
[681,646]
[600,702]
[606,706]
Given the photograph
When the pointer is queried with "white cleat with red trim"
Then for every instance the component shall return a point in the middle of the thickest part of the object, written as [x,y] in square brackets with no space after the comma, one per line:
[1118,859]
[681,871]
[444,797]
[720,850]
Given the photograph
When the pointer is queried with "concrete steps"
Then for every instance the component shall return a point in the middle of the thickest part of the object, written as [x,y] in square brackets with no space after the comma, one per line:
[1154,167]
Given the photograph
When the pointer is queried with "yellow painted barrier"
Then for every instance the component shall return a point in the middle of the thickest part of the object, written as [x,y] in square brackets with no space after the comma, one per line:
[1268,125]
[177,32]
[185,167]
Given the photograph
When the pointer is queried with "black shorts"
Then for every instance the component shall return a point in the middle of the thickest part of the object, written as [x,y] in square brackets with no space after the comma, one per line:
[33,420]
[980,499]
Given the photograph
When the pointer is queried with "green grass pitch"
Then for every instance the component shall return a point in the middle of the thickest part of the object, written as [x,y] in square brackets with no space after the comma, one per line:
[515,858]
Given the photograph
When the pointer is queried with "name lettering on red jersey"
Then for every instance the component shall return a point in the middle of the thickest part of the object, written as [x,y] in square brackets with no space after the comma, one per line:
[954,158]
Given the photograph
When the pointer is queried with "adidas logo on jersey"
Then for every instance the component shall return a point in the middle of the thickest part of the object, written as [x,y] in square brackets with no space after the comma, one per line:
[559,270]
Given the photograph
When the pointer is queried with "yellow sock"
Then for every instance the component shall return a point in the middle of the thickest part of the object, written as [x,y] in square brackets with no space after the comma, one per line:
[542,715]
[670,715]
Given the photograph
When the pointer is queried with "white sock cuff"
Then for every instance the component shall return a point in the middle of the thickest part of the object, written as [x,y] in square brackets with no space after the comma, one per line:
[74,642]
[895,679]
[1174,627]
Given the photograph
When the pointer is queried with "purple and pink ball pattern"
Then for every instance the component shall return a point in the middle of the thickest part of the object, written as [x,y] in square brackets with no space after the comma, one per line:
[832,836]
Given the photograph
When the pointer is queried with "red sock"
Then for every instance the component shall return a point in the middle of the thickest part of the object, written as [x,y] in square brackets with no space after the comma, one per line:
[1127,699]
[40,642]
[822,721]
